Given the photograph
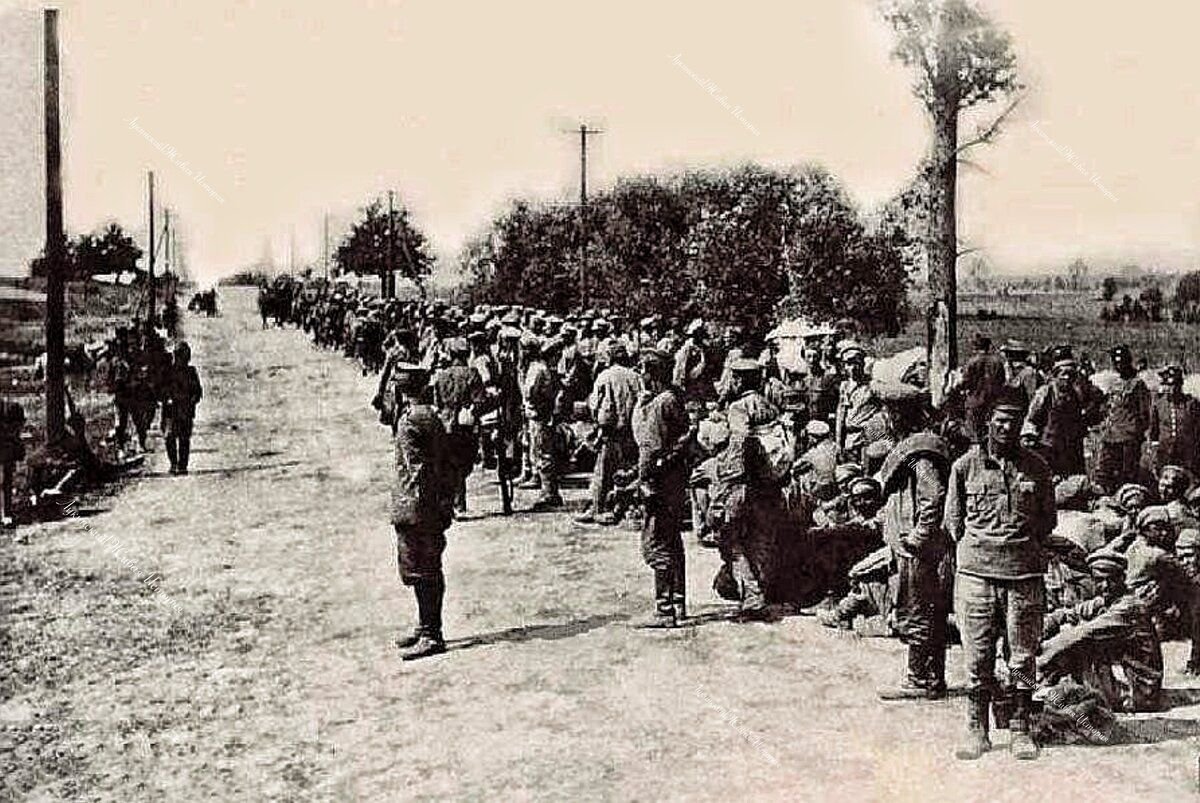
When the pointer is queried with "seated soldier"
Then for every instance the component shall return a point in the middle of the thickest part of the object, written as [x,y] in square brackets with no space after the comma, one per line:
[1114,627]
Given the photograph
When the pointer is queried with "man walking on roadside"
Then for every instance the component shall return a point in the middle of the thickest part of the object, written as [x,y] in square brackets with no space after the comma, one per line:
[181,393]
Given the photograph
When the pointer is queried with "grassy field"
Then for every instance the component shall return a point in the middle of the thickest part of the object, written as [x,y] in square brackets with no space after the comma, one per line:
[1046,319]
[93,312]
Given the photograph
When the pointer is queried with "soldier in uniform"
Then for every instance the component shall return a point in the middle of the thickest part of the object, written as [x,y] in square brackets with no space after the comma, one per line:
[1059,416]
[421,509]
[457,390]
[914,480]
[540,391]
[612,402]
[1000,512]
[982,377]
[182,392]
[1174,426]
[1126,418]
[857,404]
[660,430]
[691,367]
[748,504]
[1019,373]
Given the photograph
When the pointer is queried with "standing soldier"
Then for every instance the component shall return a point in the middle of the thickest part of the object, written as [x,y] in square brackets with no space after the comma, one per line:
[1059,416]
[1018,371]
[182,393]
[612,402]
[1000,511]
[857,405]
[421,510]
[1174,428]
[743,497]
[691,367]
[541,397]
[660,430]
[982,377]
[914,480]
[1127,416]
[457,389]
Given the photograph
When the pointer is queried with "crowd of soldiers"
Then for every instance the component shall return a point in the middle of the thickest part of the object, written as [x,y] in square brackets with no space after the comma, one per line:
[148,381]
[827,486]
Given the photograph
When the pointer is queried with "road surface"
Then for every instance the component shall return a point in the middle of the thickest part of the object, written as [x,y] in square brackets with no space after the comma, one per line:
[228,635]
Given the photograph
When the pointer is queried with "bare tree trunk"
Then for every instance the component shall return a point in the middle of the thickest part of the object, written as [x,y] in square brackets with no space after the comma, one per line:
[942,314]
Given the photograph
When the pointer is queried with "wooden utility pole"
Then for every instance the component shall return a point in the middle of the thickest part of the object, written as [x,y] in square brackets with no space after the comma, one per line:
[150,265]
[55,241]
[388,288]
[325,246]
[166,241]
[584,132]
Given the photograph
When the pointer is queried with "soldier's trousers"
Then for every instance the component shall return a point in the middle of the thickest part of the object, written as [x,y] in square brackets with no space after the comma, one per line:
[1118,464]
[662,550]
[178,438]
[419,551]
[922,604]
[989,608]
[542,456]
[617,451]
[1065,457]
[1123,635]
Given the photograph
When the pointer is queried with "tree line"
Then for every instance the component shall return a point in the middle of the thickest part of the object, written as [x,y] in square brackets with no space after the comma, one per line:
[743,245]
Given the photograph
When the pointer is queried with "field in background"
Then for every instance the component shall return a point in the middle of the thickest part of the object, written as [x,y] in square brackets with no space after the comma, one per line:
[1041,320]
[93,312]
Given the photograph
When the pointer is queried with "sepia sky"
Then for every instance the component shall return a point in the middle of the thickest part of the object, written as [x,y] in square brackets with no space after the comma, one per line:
[277,112]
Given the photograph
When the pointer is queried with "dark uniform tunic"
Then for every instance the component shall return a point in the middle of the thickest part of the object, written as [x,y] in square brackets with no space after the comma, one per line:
[1175,424]
[659,422]
[1127,415]
[422,495]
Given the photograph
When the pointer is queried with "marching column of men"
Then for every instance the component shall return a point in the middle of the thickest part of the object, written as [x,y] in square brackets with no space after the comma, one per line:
[828,482]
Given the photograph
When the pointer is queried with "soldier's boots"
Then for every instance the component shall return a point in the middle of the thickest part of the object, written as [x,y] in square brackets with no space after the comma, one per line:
[548,502]
[975,741]
[664,608]
[1002,708]
[406,641]
[427,644]
[922,680]
[1023,746]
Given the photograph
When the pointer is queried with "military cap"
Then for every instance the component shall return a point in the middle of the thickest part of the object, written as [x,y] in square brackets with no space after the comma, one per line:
[649,320]
[478,336]
[1171,374]
[1175,474]
[511,318]
[1063,357]
[697,325]
[509,333]
[849,350]
[1131,494]
[875,451]
[1193,497]
[816,429]
[531,342]
[1010,399]
[1107,563]
[1015,347]
[744,365]
[864,487]
[1155,514]
[1189,538]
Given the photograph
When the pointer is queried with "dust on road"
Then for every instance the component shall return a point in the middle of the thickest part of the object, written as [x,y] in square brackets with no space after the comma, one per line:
[228,635]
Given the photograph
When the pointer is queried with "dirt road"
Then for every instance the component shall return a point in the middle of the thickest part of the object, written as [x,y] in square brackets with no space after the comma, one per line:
[228,635]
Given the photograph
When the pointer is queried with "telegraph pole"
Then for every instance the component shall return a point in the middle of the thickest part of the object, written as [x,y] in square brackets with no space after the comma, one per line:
[325,247]
[388,286]
[55,240]
[166,241]
[584,133]
[150,266]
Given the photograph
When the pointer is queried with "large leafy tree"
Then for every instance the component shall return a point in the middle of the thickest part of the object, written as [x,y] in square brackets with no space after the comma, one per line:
[365,250]
[960,60]
[110,251]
